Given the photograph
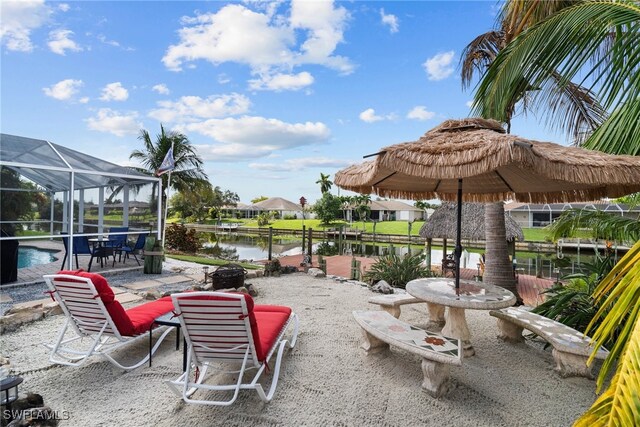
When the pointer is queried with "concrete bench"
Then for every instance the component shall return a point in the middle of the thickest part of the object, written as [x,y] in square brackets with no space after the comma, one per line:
[571,349]
[391,304]
[381,329]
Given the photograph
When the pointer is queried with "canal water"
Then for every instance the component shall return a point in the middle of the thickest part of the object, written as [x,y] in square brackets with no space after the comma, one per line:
[232,246]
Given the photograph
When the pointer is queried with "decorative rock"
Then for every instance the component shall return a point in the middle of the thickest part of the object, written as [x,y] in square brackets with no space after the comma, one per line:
[383,287]
[208,287]
[152,294]
[13,321]
[316,272]
[52,309]
[22,309]
[259,273]
[252,290]
[198,287]
[243,290]
[4,361]
[252,274]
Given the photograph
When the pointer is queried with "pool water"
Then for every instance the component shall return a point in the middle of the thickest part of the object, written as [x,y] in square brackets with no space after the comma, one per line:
[29,256]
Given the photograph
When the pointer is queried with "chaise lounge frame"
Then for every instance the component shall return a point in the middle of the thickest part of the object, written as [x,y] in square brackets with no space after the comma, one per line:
[234,326]
[87,317]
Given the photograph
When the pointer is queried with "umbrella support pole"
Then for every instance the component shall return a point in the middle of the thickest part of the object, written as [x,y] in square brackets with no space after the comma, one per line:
[458,250]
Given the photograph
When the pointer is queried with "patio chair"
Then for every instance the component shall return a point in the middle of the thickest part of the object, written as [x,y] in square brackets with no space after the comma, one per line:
[96,324]
[117,241]
[228,330]
[126,249]
[81,246]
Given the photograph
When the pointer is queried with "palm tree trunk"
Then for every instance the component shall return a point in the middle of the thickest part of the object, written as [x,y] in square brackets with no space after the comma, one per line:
[498,269]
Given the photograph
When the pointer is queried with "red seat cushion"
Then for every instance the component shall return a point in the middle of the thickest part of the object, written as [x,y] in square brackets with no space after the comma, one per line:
[142,316]
[266,321]
[99,282]
[134,321]
[270,320]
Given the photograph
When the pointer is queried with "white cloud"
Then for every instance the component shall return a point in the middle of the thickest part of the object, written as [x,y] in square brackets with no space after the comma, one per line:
[114,92]
[64,89]
[83,100]
[191,108]
[469,104]
[60,41]
[64,7]
[250,137]
[369,115]
[223,79]
[280,82]
[161,88]
[420,112]
[19,18]
[114,43]
[325,25]
[390,20]
[292,165]
[119,124]
[439,67]
[264,41]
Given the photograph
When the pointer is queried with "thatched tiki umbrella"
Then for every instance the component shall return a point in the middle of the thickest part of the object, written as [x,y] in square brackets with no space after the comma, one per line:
[475,160]
[443,222]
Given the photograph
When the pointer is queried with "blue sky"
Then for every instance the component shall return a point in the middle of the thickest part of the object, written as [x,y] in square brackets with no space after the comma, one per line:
[271,93]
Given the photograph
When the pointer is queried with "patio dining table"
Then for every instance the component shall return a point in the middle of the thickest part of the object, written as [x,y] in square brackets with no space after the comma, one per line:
[471,295]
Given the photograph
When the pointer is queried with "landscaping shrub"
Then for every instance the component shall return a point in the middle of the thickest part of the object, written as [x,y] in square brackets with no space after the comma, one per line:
[397,270]
[572,303]
[180,238]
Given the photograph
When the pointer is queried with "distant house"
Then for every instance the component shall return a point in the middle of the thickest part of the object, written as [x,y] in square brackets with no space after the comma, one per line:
[388,210]
[242,210]
[540,215]
[283,207]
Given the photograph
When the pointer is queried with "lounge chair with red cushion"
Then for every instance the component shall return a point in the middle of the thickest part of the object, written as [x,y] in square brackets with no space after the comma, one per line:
[92,312]
[226,331]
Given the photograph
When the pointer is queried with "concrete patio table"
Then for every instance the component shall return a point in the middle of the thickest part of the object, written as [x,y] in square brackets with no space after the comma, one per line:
[471,295]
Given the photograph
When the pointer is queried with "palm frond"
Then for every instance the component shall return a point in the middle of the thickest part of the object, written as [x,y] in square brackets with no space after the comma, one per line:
[566,43]
[478,55]
[572,109]
[604,225]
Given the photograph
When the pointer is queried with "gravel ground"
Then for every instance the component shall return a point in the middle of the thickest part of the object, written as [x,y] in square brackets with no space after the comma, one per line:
[326,380]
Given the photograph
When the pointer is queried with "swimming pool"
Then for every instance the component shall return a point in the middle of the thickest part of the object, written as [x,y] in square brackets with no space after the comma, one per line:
[29,256]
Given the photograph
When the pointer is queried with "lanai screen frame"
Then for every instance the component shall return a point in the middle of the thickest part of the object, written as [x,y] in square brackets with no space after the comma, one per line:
[62,160]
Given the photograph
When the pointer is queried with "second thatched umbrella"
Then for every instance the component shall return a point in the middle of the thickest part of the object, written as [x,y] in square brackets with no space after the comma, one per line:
[476,160]
[443,221]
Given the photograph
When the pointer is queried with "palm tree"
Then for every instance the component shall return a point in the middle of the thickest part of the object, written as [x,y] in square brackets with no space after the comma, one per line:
[598,39]
[188,172]
[325,183]
[577,112]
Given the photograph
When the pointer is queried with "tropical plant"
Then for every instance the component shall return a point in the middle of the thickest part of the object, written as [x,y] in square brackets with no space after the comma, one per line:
[596,39]
[188,172]
[179,238]
[603,225]
[325,183]
[618,295]
[573,303]
[397,270]
[258,199]
[17,204]
[327,209]
[264,218]
[600,40]
[577,109]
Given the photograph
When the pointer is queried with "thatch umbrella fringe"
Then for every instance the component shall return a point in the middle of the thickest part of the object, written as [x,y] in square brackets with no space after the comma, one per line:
[564,163]
[558,197]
